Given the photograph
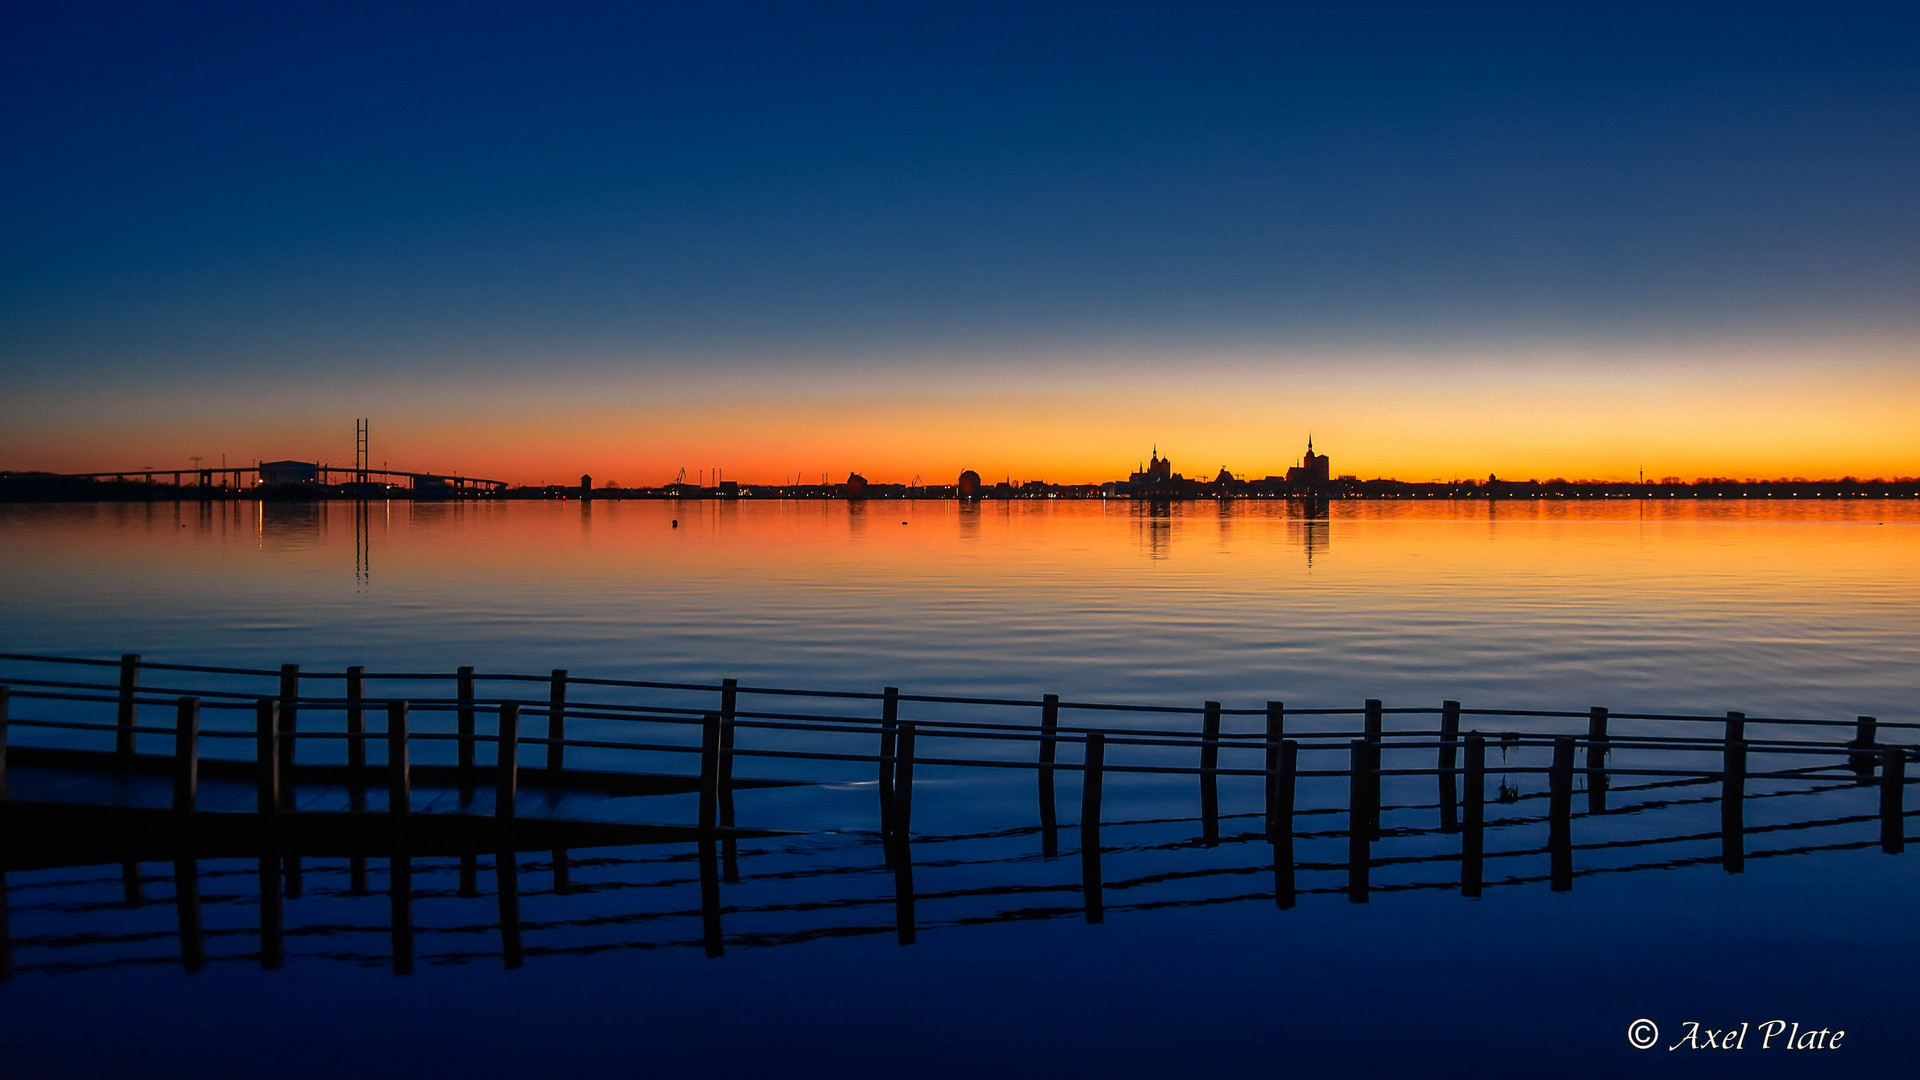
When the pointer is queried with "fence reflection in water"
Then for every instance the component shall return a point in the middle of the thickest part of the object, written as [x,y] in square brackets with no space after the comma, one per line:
[1303,805]
[515,907]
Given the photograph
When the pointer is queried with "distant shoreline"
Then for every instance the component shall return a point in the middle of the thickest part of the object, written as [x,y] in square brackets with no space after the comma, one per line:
[52,488]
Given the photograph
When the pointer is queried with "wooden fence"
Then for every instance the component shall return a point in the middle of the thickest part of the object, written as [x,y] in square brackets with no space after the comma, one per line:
[96,726]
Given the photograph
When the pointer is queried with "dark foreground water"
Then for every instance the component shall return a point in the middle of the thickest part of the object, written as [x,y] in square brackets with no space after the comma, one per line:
[1773,608]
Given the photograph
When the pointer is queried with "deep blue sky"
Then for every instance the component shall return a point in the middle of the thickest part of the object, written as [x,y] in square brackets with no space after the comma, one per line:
[757,189]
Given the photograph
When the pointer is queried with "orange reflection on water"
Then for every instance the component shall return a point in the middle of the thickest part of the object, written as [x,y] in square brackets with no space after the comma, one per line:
[1726,604]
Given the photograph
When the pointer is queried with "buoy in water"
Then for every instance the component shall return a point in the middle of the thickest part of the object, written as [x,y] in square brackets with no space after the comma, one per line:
[676,523]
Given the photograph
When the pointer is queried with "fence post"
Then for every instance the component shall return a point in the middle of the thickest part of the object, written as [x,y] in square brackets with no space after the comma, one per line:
[1449,748]
[1371,807]
[903,786]
[709,770]
[1210,738]
[556,719]
[1210,775]
[1049,729]
[1280,822]
[266,758]
[289,725]
[1863,737]
[1596,760]
[1473,812]
[889,718]
[1090,884]
[186,755]
[463,689]
[1375,723]
[1359,829]
[1893,799]
[5,694]
[506,765]
[1276,733]
[356,733]
[729,698]
[1736,726]
[1560,815]
[129,684]
[399,780]
[1733,792]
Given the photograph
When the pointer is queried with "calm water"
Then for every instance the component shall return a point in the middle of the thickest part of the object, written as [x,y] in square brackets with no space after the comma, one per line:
[1774,608]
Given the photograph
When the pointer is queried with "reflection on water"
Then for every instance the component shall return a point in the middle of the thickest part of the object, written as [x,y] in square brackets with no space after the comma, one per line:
[1772,607]
[1155,525]
[286,526]
[652,955]
[363,544]
[1313,531]
[1656,894]
[1422,836]
[967,514]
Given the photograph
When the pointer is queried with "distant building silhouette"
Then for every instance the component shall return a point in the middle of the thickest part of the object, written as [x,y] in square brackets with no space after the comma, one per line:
[289,472]
[1314,470]
[1157,480]
[969,485]
[1157,471]
[856,486]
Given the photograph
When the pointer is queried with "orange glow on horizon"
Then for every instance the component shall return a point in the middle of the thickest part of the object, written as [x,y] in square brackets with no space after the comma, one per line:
[1787,413]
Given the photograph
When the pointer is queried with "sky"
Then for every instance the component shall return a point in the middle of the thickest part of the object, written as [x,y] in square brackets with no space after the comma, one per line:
[532,241]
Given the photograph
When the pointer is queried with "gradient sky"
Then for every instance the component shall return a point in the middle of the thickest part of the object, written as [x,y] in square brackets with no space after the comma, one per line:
[908,239]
